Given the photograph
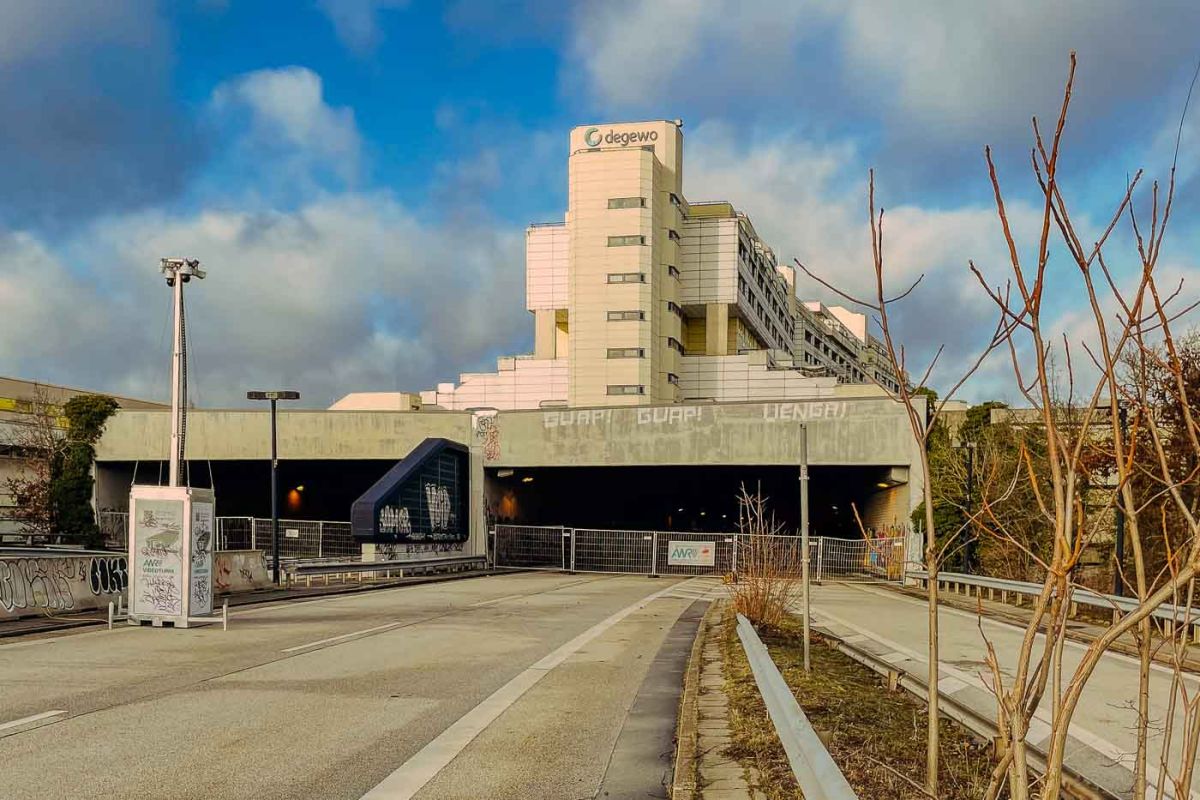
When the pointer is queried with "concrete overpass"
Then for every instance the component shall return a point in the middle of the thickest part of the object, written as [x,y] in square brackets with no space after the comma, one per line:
[860,446]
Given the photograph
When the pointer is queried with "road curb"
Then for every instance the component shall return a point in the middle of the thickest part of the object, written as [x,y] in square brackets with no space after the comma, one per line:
[687,733]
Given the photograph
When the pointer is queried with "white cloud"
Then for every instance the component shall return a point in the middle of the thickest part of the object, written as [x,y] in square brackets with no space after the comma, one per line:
[356,22]
[809,202]
[288,115]
[942,71]
[348,293]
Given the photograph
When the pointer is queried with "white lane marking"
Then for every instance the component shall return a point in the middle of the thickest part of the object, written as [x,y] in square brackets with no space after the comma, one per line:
[1093,740]
[342,637]
[412,776]
[17,723]
[1003,623]
[483,603]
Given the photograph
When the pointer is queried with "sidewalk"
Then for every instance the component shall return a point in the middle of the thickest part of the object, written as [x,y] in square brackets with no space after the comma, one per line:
[893,627]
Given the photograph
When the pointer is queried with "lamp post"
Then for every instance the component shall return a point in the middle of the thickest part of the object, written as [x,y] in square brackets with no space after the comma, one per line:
[969,545]
[804,569]
[1119,534]
[178,271]
[274,397]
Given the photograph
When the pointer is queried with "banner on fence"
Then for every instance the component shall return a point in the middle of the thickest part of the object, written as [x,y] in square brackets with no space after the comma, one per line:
[691,554]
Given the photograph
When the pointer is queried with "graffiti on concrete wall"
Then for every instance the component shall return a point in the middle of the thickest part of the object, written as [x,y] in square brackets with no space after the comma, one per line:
[804,412]
[397,552]
[487,432]
[60,583]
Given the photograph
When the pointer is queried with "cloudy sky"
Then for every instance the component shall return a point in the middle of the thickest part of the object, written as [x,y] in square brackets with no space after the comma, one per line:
[356,175]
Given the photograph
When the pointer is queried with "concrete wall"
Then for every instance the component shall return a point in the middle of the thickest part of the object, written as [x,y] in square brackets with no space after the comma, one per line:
[841,432]
[54,582]
[222,435]
[240,571]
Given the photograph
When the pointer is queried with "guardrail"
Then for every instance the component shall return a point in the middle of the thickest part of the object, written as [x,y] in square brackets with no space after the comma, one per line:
[1076,785]
[397,568]
[819,777]
[1169,614]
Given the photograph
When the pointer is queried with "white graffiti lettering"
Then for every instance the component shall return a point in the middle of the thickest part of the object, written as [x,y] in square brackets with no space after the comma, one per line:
[803,412]
[394,519]
[441,512]
[563,419]
[669,415]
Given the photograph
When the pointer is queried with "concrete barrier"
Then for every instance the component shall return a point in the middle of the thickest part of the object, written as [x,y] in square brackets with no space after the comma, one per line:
[49,582]
[37,583]
[240,571]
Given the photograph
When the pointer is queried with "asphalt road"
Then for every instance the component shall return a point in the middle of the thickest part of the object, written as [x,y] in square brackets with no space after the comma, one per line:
[516,686]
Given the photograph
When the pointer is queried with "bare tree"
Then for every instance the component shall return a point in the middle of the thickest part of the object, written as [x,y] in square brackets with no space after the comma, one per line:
[34,437]
[922,413]
[1126,325]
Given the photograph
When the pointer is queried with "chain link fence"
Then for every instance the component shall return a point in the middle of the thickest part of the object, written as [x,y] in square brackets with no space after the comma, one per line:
[298,539]
[678,553]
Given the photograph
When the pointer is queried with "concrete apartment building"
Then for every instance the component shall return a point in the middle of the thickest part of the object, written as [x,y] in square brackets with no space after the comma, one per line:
[642,298]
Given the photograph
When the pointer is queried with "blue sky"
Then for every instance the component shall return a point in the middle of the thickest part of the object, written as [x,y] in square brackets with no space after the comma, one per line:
[357,174]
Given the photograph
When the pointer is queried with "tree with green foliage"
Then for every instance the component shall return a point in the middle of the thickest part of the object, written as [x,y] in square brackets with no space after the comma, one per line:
[71,482]
[53,492]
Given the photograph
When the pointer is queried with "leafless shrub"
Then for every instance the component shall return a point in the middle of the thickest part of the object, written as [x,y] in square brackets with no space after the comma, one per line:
[767,580]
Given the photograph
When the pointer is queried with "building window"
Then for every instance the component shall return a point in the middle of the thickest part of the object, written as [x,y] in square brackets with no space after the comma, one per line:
[674,273]
[672,379]
[673,235]
[626,388]
[675,201]
[627,202]
[625,241]
[674,308]
[675,344]
[626,352]
[626,277]
[623,316]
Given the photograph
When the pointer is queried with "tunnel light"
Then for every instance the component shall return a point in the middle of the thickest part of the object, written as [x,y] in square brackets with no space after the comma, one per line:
[527,479]
[702,513]
[883,485]
[300,488]
[679,510]
[504,473]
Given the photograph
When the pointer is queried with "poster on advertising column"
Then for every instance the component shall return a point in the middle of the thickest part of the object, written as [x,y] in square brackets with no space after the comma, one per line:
[200,593]
[158,562]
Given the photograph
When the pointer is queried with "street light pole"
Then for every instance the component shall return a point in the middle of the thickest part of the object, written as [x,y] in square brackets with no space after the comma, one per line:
[274,397]
[178,271]
[804,540]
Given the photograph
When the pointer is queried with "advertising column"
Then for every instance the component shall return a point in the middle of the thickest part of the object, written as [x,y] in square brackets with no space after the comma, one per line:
[170,555]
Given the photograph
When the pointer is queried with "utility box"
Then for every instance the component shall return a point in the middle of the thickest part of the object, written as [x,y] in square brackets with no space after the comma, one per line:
[171,540]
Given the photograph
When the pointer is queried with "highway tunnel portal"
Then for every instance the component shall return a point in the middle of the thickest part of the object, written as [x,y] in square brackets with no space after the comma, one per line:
[675,467]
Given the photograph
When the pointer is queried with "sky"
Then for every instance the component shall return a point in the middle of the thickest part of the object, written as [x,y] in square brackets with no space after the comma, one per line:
[356,175]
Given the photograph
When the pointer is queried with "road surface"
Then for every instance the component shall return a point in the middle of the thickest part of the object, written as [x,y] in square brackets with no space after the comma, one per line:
[894,626]
[517,686]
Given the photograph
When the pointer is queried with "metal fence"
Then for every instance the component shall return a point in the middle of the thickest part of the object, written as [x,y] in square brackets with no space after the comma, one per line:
[298,538]
[678,553]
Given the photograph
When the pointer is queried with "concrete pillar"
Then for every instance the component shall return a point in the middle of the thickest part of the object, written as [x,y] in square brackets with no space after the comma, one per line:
[545,333]
[716,329]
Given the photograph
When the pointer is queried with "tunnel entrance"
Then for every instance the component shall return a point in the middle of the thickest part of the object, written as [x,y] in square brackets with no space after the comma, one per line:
[691,498]
[308,489]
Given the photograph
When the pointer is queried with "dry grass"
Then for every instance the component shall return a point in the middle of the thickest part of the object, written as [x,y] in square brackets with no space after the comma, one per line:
[877,737]
[768,563]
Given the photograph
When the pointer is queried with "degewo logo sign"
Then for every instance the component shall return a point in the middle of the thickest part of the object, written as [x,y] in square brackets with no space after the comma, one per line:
[691,554]
[592,137]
